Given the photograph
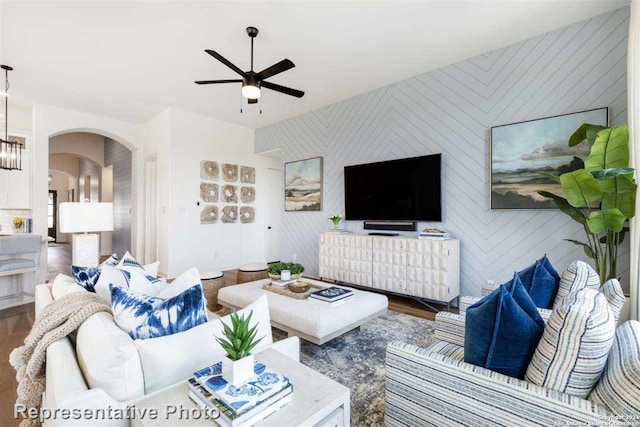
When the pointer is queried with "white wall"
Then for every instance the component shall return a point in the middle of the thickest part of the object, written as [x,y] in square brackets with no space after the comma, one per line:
[181,140]
[157,142]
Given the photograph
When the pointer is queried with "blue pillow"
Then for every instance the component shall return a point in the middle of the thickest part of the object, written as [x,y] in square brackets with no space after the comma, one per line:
[502,330]
[143,316]
[541,281]
[87,277]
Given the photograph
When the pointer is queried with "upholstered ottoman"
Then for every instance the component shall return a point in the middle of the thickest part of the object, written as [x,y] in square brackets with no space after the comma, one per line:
[309,319]
[252,271]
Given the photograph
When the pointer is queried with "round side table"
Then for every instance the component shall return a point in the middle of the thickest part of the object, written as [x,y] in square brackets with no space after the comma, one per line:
[212,282]
[252,271]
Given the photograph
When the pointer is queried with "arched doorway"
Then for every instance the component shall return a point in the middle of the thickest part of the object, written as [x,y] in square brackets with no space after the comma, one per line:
[101,171]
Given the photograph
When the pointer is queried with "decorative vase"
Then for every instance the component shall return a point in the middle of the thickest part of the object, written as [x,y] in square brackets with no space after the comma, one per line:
[237,372]
[335,225]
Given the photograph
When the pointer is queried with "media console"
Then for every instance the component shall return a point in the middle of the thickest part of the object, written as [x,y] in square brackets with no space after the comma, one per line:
[426,269]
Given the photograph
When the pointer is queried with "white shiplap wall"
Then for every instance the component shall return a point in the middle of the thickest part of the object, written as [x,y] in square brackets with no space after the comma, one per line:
[450,111]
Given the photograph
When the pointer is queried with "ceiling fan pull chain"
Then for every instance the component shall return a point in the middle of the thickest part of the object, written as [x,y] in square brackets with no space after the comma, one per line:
[240,103]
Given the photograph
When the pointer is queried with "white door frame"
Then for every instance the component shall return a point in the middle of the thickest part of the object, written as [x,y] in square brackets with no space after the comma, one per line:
[151,209]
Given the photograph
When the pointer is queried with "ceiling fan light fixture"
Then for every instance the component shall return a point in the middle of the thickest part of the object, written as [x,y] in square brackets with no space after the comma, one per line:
[251,91]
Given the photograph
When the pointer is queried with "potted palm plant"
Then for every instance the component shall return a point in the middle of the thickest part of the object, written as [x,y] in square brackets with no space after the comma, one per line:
[239,339]
[601,196]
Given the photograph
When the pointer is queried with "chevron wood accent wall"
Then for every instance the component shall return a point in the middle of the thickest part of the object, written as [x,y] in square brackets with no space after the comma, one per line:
[450,111]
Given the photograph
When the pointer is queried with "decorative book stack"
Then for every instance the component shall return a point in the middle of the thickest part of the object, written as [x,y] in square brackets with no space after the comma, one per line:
[332,295]
[434,233]
[283,283]
[244,405]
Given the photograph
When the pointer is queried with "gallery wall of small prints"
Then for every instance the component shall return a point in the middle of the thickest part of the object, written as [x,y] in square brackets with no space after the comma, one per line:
[228,192]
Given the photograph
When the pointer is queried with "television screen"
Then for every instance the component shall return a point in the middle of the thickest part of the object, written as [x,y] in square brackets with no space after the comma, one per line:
[404,189]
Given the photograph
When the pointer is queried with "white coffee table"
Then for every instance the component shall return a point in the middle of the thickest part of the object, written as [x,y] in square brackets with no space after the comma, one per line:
[317,400]
[308,319]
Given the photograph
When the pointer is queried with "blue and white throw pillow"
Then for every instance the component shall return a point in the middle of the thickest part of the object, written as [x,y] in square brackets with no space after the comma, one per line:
[143,316]
[87,277]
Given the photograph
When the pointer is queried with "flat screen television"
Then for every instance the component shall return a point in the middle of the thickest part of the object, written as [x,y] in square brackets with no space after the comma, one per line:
[400,190]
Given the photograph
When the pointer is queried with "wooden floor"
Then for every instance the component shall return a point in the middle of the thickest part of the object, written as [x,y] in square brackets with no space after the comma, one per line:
[16,322]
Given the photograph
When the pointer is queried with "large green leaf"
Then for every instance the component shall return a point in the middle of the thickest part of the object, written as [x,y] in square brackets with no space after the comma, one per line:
[613,172]
[587,248]
[586,131]
[602,221]
[580,188]
[619,193]
[575,213]
[610,150]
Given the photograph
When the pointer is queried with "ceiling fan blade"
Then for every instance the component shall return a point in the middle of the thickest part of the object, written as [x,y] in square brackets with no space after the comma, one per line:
[283,89]
[225,61]
[212,82]
[252,101]
[278,68]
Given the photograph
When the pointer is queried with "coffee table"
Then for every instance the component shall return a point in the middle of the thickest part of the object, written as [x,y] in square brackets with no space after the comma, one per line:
[308,319]
[317,400]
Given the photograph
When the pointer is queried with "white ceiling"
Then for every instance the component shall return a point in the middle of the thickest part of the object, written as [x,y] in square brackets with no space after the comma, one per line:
[130,60]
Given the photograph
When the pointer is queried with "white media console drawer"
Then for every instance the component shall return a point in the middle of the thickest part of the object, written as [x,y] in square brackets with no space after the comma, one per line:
[426,268]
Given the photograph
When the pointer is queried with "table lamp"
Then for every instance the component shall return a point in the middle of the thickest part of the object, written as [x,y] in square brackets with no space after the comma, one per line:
[85,218]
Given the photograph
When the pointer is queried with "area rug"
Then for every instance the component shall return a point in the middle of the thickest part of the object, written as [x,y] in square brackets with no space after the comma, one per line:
[356,360]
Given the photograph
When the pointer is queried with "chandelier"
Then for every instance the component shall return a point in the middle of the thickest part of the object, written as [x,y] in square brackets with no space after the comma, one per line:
[10,151]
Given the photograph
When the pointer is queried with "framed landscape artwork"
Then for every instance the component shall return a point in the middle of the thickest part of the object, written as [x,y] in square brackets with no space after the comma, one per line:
[303,185]
[520,151]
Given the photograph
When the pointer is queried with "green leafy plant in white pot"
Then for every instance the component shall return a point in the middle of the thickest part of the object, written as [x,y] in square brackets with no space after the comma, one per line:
[238,341]
[601,196]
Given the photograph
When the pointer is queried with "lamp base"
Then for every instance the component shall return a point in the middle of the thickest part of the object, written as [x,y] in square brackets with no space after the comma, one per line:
[85,250]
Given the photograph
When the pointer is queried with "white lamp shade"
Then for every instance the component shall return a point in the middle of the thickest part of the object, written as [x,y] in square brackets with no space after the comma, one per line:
[85,217]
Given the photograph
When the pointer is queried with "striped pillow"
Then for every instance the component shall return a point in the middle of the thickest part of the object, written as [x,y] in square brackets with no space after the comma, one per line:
[578,275]
[619,388]
[615,296]
[575,344]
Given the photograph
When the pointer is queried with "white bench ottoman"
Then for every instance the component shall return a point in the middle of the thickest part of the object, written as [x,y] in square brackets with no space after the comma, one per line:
[311,320]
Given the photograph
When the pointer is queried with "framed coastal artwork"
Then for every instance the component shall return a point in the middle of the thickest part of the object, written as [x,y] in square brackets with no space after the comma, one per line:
[303,185]
[520,151]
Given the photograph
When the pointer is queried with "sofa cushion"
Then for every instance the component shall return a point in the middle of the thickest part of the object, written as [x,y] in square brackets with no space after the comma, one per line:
[541,281]
[64,284]
[577,276]
[144,316]
[169,359]
[108,358]
[573,350]
[619,387]
[502,330]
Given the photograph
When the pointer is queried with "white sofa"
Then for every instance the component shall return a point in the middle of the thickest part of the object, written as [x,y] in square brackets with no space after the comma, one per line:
[105,367]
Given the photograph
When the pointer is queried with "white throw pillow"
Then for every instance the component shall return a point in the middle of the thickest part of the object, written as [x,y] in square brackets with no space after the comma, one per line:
[108,358]
[64,284]
[129,263]
[169,359]
[111,276]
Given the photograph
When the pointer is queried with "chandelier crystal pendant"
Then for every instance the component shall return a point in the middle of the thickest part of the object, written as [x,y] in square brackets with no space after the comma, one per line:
[10,151]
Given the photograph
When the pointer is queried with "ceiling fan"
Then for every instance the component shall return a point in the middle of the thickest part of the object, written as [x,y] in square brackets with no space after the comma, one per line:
[252,82]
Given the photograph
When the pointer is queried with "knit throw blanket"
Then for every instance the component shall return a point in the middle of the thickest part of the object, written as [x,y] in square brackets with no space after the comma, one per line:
[57,320]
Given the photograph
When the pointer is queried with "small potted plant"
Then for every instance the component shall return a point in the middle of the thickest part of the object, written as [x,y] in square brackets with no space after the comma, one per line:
[239,339]
[335,219]
[295,269]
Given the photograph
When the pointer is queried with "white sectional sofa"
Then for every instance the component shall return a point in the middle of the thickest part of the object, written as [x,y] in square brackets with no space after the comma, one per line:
[104,367]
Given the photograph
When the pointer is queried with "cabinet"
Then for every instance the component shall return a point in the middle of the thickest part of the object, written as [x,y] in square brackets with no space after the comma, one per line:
[428,268]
